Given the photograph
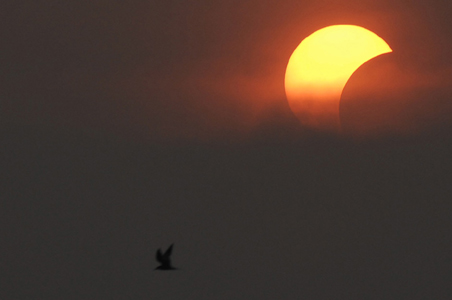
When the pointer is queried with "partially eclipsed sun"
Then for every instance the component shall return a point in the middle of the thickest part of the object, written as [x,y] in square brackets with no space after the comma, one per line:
[320,67]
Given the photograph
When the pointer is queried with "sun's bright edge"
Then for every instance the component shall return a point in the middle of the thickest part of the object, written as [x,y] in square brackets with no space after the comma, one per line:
[320,67]
[325,60]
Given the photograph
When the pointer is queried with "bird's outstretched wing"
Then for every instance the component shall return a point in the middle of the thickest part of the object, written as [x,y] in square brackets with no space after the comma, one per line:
[169,251]
[160,258]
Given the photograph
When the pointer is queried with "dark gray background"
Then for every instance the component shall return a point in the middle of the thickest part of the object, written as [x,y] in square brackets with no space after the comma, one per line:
[127,127]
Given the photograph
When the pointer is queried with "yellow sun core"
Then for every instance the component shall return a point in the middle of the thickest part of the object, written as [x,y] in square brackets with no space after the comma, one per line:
[320,67]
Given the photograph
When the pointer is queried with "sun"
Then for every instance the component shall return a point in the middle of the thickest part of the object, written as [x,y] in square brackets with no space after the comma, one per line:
[320,67]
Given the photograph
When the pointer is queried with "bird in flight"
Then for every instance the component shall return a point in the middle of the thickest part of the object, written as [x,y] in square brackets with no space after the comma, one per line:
[164,259]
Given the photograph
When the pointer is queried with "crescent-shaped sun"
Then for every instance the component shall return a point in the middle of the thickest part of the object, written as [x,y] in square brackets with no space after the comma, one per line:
[320,67]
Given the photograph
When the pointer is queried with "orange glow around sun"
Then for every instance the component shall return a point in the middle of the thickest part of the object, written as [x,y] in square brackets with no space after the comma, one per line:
[320,67]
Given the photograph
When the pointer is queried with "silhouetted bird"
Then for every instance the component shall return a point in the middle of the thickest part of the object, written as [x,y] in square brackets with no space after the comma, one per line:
[164,259]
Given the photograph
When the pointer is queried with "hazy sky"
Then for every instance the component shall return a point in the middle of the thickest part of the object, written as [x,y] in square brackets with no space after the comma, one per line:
[186,68]
[119,129]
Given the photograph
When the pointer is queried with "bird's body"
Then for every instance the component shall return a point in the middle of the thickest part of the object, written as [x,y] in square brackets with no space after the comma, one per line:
[164,259]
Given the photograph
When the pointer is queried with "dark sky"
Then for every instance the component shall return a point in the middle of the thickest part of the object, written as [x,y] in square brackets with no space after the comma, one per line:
[127,127]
